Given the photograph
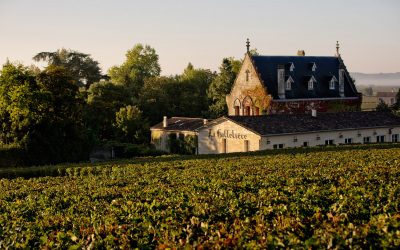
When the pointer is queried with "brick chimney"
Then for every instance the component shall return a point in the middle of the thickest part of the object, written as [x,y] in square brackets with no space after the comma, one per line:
[165,122]
[281,81]
[301,53]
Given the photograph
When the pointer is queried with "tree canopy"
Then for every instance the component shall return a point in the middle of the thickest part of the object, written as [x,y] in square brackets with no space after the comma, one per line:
[82,68]
[53,119]
[141,62]
[221,86]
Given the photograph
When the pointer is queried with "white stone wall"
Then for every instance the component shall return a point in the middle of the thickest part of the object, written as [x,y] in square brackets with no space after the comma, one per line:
[338,137]
[241,85]
[210,139]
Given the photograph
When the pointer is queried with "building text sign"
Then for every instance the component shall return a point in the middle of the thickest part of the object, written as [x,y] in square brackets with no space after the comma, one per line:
[226,133]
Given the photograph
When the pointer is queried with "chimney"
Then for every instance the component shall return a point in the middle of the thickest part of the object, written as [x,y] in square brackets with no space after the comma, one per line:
[313,112]
[204,121]
[165,122]
[301,53]
[281,81]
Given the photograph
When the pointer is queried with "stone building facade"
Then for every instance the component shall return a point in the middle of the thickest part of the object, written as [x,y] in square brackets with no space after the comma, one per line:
[292,84]
[251,133]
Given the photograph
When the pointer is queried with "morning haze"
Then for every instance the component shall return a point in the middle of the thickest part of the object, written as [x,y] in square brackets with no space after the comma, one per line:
[204,32]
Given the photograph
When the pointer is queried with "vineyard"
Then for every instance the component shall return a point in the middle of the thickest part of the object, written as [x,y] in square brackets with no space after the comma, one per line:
[345,199]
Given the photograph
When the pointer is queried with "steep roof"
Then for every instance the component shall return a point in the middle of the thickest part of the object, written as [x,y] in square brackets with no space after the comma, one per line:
[326,68]
[386,94]
[303,123]
[180,124]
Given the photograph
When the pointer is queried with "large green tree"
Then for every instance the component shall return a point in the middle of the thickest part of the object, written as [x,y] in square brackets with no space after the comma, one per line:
[104,99]
[199,80]
[221,86]
[81,67]
[141,62]
[61,136]
[21,105]
[43,114]
[130,125]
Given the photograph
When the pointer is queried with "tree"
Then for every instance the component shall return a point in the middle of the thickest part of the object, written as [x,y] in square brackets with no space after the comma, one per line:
[130,125]
[81,67]
[20,107]
[200,79]
[382,106]
[42,114]
[141,63]
[396,105]
[61,135]
[221,86]
[369,91]
[104,99]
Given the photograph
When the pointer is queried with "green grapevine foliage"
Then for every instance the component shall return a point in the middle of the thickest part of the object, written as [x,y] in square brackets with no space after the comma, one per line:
[347,199]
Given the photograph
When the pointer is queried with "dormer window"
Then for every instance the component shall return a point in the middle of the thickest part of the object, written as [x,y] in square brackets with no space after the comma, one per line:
[313,66]
[311,83]
[288,83]
[332,83]
[291,67]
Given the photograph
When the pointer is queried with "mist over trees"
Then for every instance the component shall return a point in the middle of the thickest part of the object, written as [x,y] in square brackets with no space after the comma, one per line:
[60,113]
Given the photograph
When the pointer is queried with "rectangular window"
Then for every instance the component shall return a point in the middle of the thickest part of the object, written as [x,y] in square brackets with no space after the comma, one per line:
[288,85]
[328,142]
[246,145]
[305,144]
[332,85]
[310,85]
[348,140]
[276,146]
[367,139]
[395,138]
[224,146]
[380,138]
[236,110]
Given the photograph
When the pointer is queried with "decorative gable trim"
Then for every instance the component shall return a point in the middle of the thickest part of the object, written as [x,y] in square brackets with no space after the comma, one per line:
[257,75]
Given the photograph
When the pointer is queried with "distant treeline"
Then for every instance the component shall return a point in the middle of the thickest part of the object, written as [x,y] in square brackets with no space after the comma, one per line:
[60,113]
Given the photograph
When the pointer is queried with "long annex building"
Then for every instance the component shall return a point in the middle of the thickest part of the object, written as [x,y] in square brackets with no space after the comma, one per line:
[251,133]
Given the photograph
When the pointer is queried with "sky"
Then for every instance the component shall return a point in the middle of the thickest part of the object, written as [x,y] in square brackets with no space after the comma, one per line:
[204,32]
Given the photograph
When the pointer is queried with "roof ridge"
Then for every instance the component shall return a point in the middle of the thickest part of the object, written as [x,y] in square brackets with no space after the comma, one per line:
[182,117]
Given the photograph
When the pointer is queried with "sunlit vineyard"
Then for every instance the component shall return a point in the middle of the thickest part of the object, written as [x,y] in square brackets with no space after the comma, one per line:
[319,199]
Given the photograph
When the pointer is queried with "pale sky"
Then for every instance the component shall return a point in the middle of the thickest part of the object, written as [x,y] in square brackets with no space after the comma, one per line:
[203,32]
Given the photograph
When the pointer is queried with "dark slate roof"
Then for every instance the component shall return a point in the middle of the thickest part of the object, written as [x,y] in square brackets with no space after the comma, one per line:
[303,123]
[386,94]
[180,124]
[327,66]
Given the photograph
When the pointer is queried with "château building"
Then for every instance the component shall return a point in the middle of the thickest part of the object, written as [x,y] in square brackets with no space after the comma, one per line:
[292,84]
[308,101]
